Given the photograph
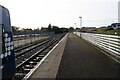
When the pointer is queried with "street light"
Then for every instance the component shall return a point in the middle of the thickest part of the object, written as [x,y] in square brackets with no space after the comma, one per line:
[75,25]
[80,22]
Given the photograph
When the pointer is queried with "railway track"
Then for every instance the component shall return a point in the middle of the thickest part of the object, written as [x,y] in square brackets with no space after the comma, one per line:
[19,49]
[29,57]
[20,56]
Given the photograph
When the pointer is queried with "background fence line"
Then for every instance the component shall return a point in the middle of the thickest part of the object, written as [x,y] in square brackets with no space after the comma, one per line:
[21,40]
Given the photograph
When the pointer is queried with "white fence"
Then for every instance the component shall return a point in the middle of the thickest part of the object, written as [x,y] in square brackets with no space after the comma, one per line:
[109,43]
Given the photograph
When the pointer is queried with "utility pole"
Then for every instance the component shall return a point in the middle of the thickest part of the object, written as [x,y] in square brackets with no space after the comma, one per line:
[75,25]
[80,22]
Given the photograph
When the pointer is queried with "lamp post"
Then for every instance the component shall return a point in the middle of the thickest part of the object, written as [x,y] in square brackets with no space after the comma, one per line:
[80,25]
[80,22]
[75,25]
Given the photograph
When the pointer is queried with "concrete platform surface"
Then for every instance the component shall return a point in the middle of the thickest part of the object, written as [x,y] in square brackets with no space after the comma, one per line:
[49,67]
[82,60]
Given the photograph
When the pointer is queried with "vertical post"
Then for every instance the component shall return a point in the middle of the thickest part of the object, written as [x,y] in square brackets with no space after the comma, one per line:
[75,25]
[119,12]
[80,25]
[25,37]
[80,22]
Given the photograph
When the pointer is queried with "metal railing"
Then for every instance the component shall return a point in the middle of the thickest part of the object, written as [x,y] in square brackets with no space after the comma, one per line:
[110,43]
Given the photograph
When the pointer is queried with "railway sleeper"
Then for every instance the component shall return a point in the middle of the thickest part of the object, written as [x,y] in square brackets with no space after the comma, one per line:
[33,63]
[29,66]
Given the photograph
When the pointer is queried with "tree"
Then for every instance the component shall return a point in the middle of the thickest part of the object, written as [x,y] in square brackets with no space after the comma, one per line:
[36,30]
[49,27]
[62,30]
[71,29]
[15,29]
[43,29]
[56,29]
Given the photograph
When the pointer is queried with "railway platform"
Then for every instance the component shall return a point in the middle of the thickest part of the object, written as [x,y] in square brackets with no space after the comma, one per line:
[50,65]
[74,57]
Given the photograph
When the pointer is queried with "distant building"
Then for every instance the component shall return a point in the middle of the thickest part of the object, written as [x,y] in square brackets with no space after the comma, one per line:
[115,25]
[119,12]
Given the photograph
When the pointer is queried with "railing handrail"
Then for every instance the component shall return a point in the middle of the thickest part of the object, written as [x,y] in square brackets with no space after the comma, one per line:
[110,43]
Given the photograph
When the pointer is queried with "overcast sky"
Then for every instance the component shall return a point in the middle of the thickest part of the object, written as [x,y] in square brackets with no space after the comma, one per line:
[62,13]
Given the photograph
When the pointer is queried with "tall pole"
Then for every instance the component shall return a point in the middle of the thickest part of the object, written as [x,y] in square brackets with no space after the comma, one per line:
[75,25]
[80,22]
[80,25]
